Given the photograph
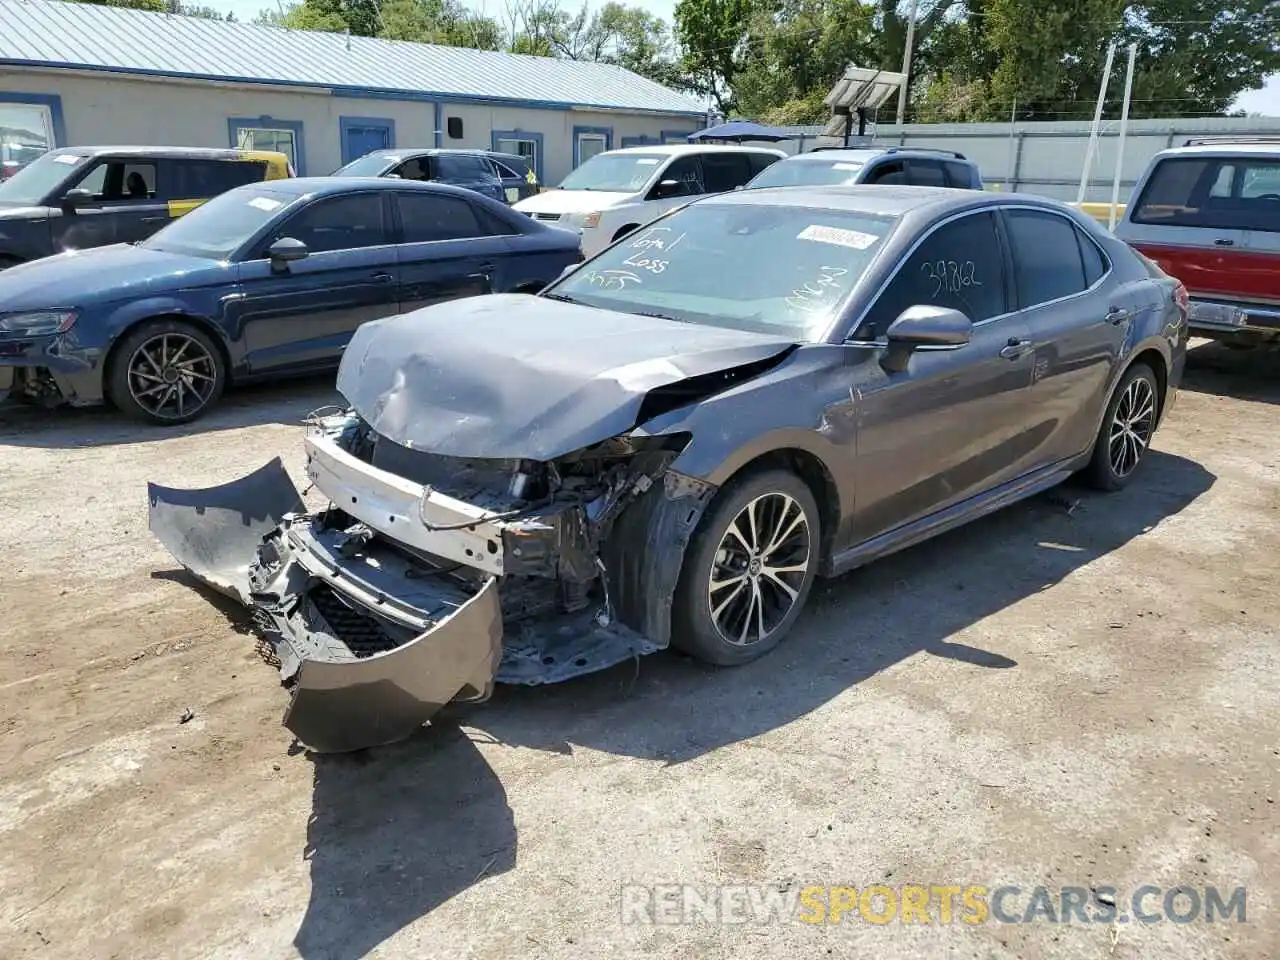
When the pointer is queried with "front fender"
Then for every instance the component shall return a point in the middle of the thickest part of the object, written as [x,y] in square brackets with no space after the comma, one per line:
[127,315]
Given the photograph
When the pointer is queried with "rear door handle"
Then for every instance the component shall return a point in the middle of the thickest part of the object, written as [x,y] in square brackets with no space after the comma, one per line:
[486,268]
[155,219]
[1015,348]
[1224,242]
[381,277]
[1118,315]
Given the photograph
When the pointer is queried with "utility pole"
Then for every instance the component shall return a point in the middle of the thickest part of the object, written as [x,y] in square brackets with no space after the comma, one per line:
[906,62]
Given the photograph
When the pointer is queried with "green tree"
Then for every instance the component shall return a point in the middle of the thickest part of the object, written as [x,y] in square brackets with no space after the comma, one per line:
[445,22]
[155,6]
[716,37]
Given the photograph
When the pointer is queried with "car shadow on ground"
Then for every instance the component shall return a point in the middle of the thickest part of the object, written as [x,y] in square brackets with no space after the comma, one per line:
[1245,374]
[286,402]
[403,829]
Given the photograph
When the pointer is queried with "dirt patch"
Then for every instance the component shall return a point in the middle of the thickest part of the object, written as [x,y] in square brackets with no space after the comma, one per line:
[1078,691]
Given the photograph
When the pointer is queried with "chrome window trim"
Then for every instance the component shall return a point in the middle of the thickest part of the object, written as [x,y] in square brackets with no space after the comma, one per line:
[986,208]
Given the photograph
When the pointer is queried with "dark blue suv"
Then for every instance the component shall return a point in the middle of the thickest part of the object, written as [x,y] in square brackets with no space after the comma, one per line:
[265,280]
[502,176]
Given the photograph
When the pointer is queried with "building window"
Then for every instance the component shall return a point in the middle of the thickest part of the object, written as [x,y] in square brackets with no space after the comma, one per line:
[676,136]
[521,143]
[28,127]
[589,141]
[268,133]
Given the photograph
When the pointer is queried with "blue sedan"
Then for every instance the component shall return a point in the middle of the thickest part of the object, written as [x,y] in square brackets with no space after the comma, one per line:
[263,281]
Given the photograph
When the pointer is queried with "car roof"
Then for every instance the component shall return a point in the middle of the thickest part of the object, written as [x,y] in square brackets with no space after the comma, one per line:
[203,153]
[880,199]
[321,186]
[1225,147]
[428,152]
[678,149]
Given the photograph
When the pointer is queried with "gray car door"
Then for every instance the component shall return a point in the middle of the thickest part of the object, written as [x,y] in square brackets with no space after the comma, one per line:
[1078,318]
[951,425]
[122,206]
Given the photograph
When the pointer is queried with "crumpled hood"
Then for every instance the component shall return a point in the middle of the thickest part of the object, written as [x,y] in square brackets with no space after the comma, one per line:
[523,377]
[117,272]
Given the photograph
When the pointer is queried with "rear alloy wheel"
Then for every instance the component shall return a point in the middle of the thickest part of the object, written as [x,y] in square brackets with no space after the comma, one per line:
[1126,431]
[167,372]
[749,569]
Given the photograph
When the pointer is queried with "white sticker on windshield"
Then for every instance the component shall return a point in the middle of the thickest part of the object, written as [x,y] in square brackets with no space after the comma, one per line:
[840,237]
[647,162]
[67,158]
[265,203]
[846,166]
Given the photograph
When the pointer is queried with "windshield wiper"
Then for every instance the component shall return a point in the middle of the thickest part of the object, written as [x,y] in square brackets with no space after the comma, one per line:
[658,316]
[561,297]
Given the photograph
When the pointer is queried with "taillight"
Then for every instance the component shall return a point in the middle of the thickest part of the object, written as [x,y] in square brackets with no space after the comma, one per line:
[1180,296]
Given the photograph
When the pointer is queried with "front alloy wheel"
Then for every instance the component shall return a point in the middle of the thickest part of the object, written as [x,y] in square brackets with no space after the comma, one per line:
[759,568]
[748,569]
[167,372]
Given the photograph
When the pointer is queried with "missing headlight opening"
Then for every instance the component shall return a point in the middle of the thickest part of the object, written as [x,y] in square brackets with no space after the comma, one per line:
[428,578]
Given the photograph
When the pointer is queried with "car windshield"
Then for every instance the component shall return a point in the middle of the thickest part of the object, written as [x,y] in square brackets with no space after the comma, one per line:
[370,165]
[808,173]
[762,268]
[39,178]
[218,228]
[614,172]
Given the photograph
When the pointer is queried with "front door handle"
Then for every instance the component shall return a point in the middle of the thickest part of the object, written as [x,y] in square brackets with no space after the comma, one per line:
[1117,315]
[381,277]
[486,268]
[1224,242]
[1015,348]
[155,219]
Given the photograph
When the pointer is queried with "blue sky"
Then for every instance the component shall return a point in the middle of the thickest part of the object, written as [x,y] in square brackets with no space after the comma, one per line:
[1265,101]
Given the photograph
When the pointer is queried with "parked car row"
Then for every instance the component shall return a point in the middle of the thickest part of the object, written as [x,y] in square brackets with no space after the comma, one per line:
[263,280]
[663,447]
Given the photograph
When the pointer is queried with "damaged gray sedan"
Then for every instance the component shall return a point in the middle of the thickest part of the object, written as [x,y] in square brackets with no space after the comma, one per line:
[667,445]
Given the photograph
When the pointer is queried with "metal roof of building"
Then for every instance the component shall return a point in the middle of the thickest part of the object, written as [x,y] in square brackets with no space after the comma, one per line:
[54,33]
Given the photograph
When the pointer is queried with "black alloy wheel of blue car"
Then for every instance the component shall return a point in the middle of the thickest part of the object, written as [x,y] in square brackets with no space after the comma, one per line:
[167,372]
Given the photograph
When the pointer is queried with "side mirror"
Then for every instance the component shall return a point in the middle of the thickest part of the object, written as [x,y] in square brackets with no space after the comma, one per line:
[286,250]
[79,197]
[941,328]
[666,188]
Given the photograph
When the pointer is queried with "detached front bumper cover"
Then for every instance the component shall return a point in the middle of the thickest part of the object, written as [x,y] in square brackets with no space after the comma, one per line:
[368,660]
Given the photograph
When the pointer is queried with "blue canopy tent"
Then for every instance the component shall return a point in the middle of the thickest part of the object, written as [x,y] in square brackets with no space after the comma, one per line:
[740,130]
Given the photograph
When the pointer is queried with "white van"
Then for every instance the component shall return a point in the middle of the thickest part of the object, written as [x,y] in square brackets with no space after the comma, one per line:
[617,191]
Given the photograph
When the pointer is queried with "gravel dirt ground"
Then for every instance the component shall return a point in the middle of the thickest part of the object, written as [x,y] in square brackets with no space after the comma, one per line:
[1060,694]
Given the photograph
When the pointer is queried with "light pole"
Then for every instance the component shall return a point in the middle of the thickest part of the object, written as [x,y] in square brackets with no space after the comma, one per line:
[906,63]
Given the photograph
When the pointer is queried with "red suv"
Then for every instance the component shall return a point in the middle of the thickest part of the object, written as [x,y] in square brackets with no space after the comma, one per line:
[1209,214]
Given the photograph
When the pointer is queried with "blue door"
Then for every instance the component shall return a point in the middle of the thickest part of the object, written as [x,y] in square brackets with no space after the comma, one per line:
[360,137]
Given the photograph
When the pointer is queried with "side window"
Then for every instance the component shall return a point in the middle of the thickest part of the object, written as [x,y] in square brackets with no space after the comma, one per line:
[416,168]
[339,223]
[926,173]
[428,217]
[958,175]
[959,265]
[686,171]
[464,167]
[1046,256]
[1095,265]
[721,172]
[120,180]
[891,171]
[761,161]
[202,179]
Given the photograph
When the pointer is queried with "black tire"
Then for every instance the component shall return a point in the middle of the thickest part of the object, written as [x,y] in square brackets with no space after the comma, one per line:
[695,629]
[623,231]
[141,384]
[1118,454]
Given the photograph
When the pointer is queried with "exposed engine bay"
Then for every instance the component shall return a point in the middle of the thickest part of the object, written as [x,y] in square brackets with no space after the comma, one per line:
[428,577]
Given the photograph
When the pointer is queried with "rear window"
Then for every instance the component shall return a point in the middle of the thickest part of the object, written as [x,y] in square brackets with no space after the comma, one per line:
[201,179]
[1225,193]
